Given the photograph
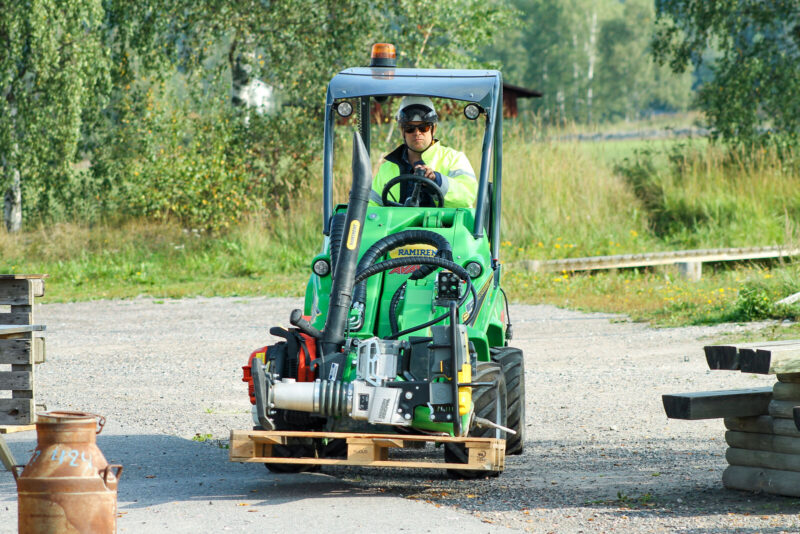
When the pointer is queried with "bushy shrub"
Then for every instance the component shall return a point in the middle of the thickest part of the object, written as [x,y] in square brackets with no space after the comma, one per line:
[206,167]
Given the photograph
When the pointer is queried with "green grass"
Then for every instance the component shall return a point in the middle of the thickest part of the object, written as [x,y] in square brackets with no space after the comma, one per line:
[160,260]
[561,199]
[728,294]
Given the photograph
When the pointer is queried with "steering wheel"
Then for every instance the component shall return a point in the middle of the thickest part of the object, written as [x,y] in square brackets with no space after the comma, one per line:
[433,188]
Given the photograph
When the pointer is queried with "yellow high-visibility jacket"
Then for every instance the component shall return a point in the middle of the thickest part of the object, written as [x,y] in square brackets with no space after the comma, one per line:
[454,175]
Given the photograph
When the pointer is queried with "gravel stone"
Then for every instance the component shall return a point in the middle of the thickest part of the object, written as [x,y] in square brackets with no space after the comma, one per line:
[601,456]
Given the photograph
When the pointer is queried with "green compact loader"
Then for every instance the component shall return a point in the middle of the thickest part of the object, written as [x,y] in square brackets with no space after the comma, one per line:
[403,338]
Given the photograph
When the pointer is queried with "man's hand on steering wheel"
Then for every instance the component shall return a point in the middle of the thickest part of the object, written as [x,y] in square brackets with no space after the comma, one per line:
[432,187]
[429,172]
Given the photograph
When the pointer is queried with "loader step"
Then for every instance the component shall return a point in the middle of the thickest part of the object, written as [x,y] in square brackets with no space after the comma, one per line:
[485,454]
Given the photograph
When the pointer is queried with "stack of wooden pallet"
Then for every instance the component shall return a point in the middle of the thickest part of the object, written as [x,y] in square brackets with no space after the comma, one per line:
[21,348]
[761,424]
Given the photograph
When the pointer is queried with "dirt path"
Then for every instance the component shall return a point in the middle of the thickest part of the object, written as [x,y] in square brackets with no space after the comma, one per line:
[601,456]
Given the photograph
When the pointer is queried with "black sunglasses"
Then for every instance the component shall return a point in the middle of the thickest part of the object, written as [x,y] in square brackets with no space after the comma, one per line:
[411,128]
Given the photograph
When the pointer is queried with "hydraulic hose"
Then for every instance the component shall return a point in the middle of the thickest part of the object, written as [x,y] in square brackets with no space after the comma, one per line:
[435,261]
[393,241]
[393,307]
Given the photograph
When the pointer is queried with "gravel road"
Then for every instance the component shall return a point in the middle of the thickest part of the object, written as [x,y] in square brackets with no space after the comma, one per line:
[601,455]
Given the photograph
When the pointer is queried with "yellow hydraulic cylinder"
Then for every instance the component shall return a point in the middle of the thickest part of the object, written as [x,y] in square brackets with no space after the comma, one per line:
[464,393]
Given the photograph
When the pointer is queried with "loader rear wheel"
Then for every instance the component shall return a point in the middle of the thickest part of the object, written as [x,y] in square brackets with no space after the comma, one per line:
[304,448]
[490,403]
[513,363]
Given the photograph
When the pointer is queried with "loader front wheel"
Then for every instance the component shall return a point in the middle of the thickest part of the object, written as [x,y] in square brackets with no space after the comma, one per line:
[295,448]
[301,448]
[513,364]
[490,403]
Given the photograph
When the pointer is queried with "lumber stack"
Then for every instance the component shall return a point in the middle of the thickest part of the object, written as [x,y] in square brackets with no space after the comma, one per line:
[21,347]
[760,424]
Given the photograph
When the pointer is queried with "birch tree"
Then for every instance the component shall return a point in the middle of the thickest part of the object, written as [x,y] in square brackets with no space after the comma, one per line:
[755,90]
[51,64]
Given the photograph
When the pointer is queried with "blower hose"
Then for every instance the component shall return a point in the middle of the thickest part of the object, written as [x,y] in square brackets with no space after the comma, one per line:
[435,261]
[393,241]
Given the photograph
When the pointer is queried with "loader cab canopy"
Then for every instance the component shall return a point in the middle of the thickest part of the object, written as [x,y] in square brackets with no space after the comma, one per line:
[456,84]
[483,87]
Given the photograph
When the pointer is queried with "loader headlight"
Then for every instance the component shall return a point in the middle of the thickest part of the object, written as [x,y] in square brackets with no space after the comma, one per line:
[321,267]
[474,269]
[344,109]
[472,111]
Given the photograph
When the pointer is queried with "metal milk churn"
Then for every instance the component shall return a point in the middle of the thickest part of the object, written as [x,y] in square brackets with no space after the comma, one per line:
[68,486]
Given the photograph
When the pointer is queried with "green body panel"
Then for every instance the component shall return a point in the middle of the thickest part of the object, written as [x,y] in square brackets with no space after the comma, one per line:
[454,224]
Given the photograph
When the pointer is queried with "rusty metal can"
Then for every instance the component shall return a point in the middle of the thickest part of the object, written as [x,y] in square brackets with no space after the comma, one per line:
[68,486]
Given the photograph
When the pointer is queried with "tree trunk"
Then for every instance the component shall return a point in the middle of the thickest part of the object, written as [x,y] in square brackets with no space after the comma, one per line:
[591,53]
[576,77]
[12,208]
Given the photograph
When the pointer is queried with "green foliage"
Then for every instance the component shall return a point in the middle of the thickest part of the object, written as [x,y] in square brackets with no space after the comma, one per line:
[124,107]
[52,65]
[590,59]
[431,33]
[755,91]
[757,299]
[628,82]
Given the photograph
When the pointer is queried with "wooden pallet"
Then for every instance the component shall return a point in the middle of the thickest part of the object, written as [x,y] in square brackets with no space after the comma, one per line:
[485,454]
[20,350]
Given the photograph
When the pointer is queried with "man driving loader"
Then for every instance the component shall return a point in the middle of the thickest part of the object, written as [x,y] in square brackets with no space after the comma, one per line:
[448,171]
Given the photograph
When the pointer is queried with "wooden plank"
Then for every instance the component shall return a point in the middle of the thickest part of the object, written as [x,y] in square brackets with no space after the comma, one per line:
[782,409]
[763,425]
[15,380]
[788,378]
[12,329]
[727,356]
[39,350]
[16,292]
[16,318]
[6,457]
[485,454]
[790,299]
[763,442]
[771,481]
[363,452]
[256,434]
[764,459]
[783,360]
[717,404]
[655,258]
[23,350]
[771,359]
[36,281]
[16,411]
[786,391]
[11,429]
[722,357]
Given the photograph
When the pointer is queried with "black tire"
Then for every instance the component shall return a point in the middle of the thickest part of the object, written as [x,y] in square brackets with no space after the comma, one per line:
[337,233]
[513,363]
[334,448]
[490,403]
[303,448]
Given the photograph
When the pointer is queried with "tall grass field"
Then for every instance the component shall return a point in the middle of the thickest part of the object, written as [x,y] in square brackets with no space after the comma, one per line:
[560,199]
